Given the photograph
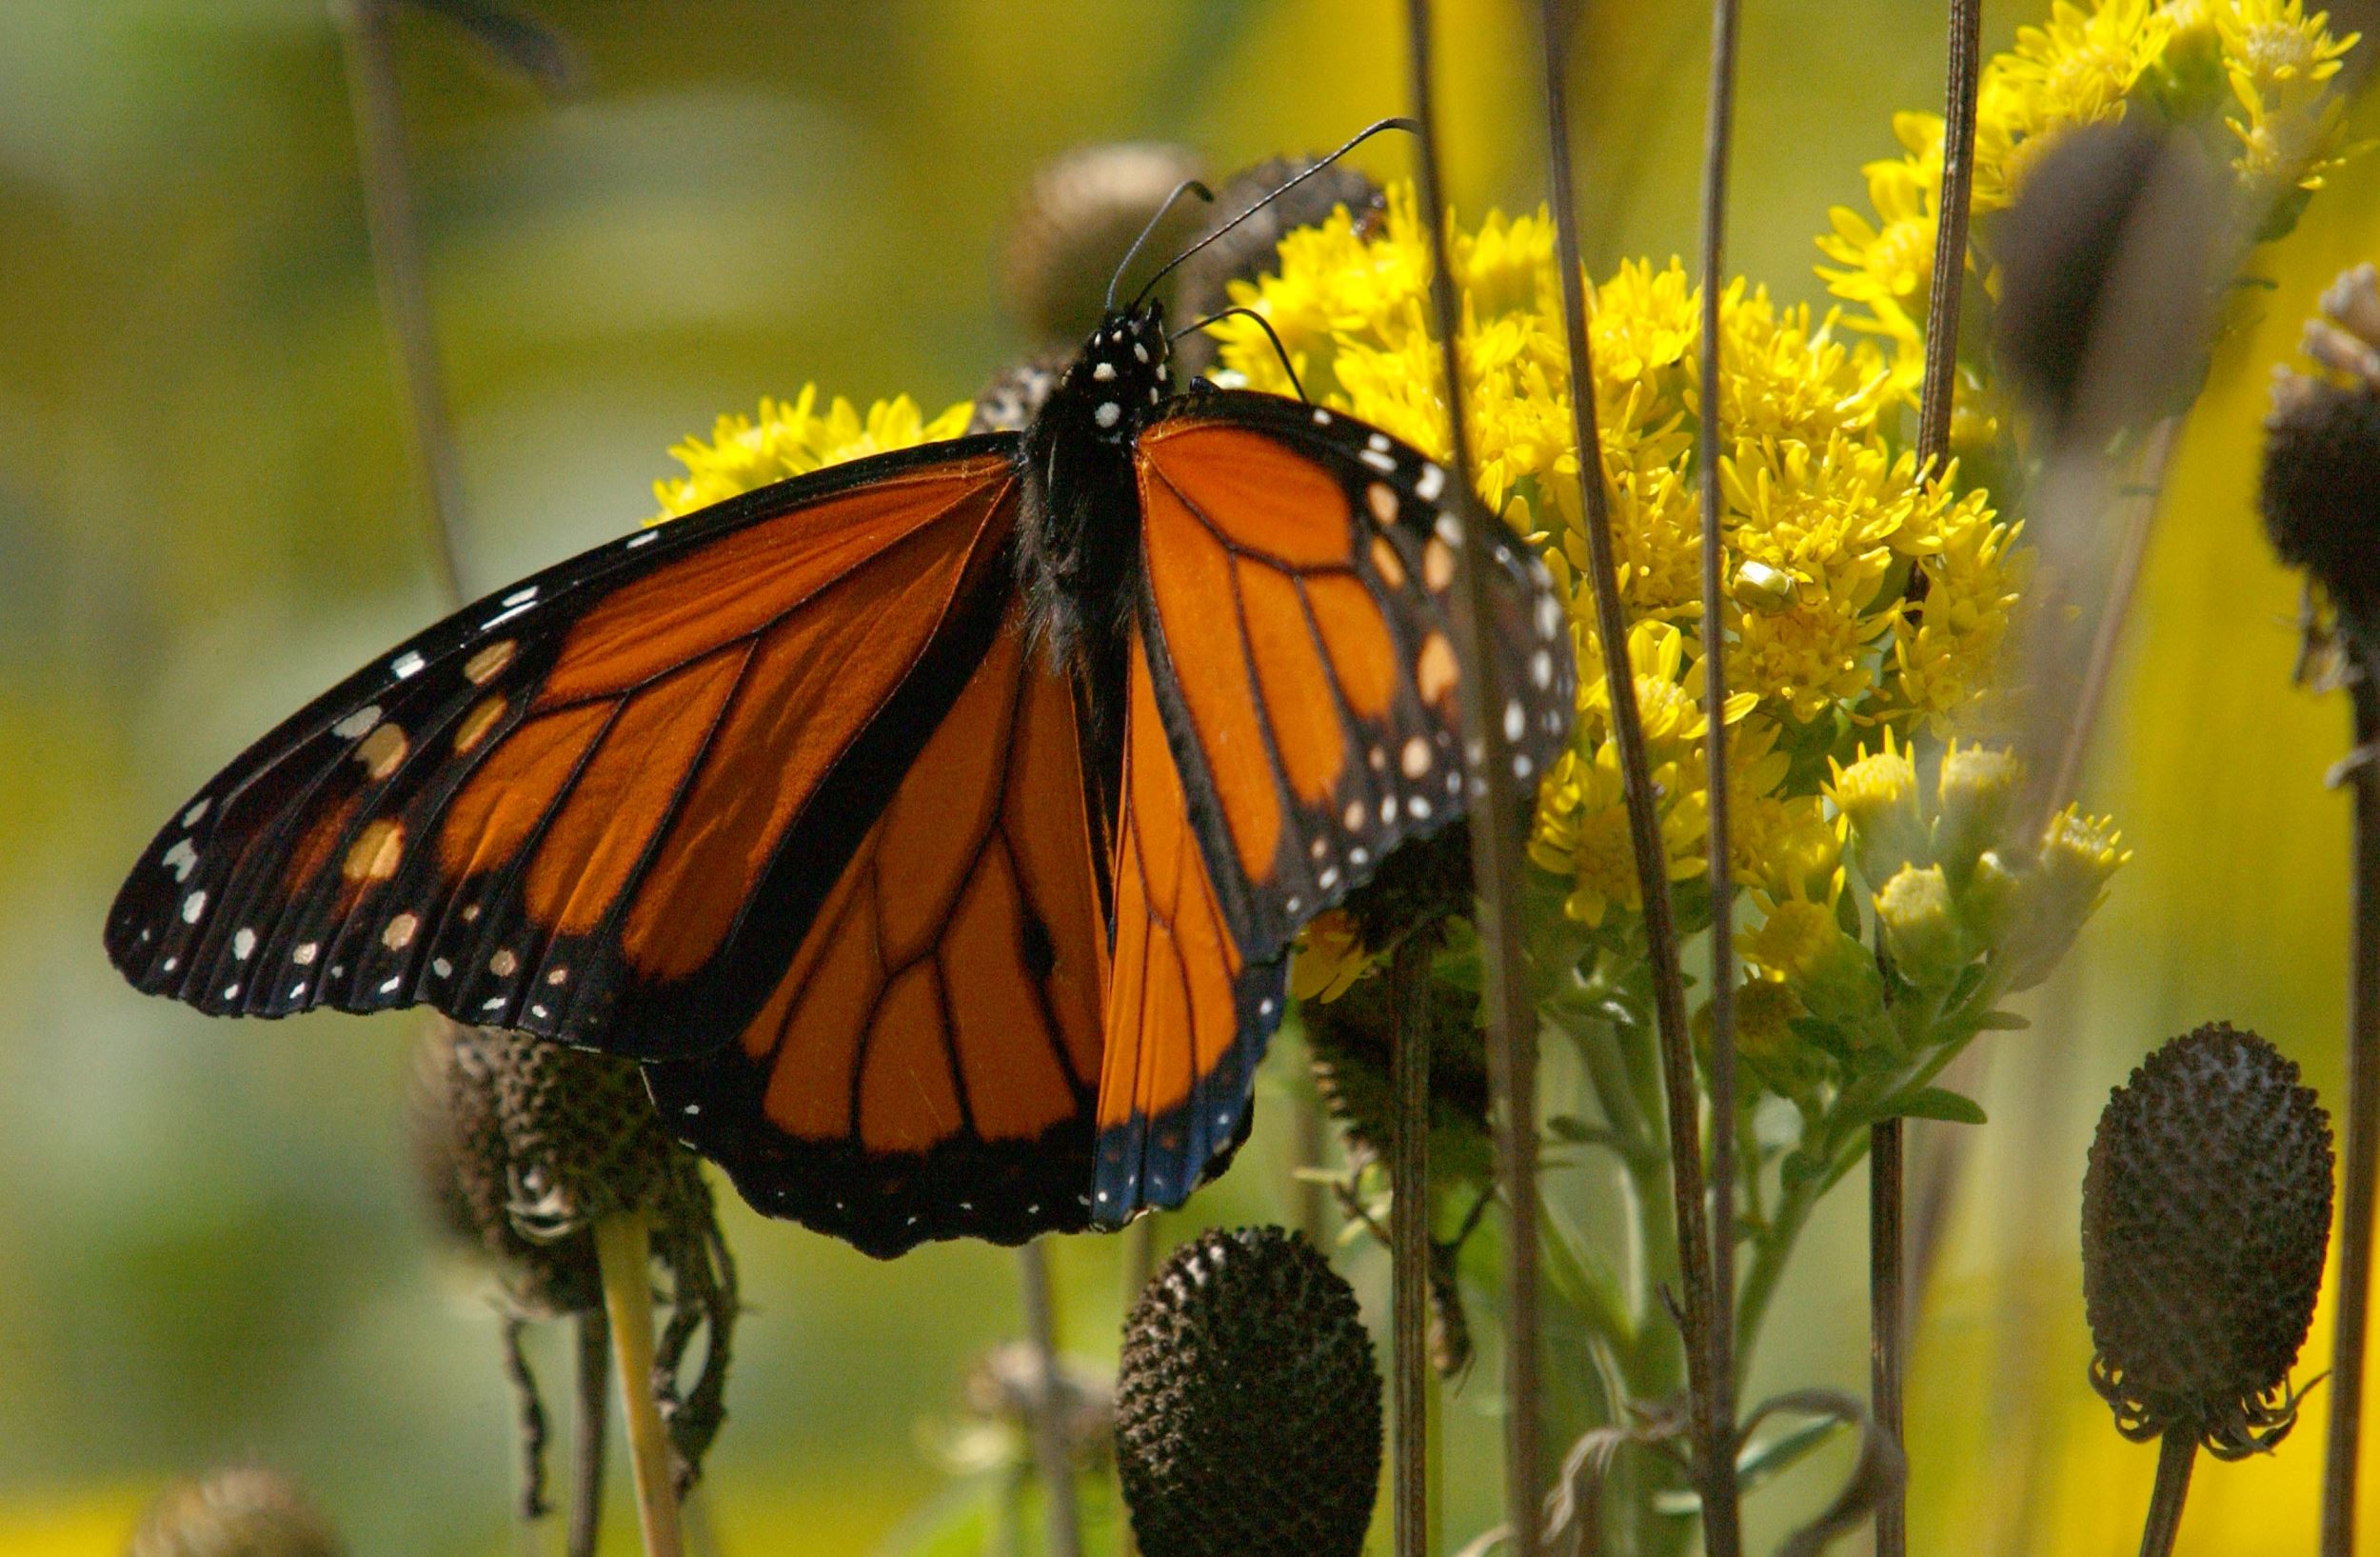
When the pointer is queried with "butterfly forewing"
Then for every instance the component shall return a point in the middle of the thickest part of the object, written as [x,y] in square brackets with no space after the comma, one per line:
[578,807]
[1297,566]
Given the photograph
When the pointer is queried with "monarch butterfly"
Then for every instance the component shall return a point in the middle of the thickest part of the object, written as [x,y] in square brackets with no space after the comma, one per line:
[933,828]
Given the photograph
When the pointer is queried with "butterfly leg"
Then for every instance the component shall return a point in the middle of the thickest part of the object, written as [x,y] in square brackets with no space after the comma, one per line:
[532,1420]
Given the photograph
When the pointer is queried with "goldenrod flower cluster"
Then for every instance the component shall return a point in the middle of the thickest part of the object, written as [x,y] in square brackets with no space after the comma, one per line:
[2250,78]
[792,438]
[1829,522]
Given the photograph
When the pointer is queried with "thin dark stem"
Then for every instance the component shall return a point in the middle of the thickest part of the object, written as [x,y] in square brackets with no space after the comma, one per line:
[586,1435]
[2363,1130]
[1140,1264]
[1888,1299]
[1053,1459]
[2176,1452]
[1887,1318]
[1715,1448]
[1644,825]
[397,268]
[1496,859]
[1950,237]
[1409,1242]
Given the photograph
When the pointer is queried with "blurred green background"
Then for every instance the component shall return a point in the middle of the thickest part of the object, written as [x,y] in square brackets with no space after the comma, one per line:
[209,1246]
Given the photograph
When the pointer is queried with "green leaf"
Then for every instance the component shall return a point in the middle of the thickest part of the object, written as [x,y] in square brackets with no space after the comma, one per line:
[1934,1103]
[2003,1022]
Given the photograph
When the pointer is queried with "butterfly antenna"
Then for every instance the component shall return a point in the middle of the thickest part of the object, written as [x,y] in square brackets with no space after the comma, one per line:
[1406,125]
[1261,322]
[1188,186]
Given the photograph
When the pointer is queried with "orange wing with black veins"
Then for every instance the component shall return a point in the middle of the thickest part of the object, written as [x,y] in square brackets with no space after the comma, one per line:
[601,804]
[927,1064]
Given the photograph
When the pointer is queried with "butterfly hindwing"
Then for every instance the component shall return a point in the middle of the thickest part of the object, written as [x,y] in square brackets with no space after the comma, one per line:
[580,807]
[1297,566]
[926,1065]
[1189,1013]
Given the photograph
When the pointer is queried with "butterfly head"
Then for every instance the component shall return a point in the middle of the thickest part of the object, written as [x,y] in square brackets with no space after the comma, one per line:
[1122,375]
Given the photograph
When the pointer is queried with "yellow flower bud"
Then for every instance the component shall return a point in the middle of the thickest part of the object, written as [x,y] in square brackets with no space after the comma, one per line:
[1800,944]
[1976,787]
[2067,885]
[1921,927]
[1878,798]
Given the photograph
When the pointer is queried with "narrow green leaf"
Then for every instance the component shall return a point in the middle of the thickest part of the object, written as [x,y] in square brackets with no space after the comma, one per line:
[1934,1103]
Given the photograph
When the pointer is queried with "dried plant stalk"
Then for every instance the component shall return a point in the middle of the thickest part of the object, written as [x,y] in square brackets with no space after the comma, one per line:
[389,212]
[1668,990]
[2363,1127]
[1409,1241]
[1714,1404]
[1495,852]
[623,1250]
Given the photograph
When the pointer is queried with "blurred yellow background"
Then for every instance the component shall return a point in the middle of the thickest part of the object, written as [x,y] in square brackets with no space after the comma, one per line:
[208,1247]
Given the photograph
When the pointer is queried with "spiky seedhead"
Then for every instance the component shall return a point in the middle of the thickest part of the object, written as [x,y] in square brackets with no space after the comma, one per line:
[522,1146]
[1248,1404]
[1079,215]
[2206,1216]
[240,1511]
[2320,493]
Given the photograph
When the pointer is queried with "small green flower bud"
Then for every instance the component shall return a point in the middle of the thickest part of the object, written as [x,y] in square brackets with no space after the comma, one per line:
[1987,901]
[1776,1056]
[1921,927]
[2078,854]
[1832,974]
[1877,797]
[1976,786]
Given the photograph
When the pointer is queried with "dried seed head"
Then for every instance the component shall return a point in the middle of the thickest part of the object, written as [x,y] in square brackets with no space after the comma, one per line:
[2206,1215]
[1014,396]
[1079,215]
[2321,488]
[581,1138]
[465,1169]
[1248,1406]
[241,1511]
[1350,1038]
[2321,485]
[1253,248]
[523,1145]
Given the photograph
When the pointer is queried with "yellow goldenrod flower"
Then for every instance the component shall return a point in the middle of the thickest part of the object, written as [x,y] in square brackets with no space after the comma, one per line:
[792,438]
[1887,263]
[1329,957]
[1876,798]
[2077,69]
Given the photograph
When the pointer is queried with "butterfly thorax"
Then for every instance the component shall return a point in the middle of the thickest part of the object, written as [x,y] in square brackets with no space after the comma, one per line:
[1079,552]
